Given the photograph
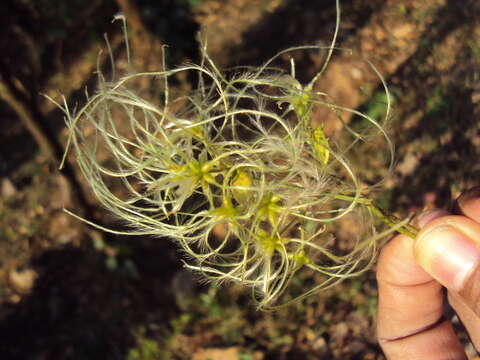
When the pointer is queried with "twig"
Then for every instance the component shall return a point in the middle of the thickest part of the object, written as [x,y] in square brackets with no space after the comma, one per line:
[26,117]
[47,144]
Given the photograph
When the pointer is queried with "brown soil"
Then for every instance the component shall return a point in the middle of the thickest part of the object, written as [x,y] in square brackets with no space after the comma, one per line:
[69,292]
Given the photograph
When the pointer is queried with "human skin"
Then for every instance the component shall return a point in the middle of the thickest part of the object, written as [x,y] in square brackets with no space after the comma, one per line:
[416,276]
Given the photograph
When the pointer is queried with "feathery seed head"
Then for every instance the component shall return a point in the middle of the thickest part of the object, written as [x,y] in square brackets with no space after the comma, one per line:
[223,156]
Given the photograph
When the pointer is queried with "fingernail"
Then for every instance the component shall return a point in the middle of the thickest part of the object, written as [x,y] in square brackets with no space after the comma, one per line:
[472,193]
[430,215]
[448,255]
[472,197]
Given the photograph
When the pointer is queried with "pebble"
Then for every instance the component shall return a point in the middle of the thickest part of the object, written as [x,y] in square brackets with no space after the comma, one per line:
[22,280]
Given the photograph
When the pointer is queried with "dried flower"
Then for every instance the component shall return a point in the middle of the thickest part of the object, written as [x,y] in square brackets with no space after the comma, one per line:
[238,152]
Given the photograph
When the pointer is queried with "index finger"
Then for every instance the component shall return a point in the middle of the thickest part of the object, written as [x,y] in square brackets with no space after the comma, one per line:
[410,321]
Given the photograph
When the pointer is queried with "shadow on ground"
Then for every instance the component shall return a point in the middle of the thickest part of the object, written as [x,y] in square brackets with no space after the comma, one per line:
[448,127]
[79,309]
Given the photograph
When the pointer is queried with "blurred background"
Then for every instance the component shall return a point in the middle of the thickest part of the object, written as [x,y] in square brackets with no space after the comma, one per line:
[68,291]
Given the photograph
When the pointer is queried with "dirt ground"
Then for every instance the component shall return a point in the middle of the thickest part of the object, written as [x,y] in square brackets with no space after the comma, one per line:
[68,291]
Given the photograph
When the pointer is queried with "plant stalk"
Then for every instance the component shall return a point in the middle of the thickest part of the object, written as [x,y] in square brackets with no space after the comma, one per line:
[379,213]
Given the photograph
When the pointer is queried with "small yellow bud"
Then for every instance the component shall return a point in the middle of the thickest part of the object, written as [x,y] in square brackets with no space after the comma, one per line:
[270,209]
[300,258]
[320,144]
[301,104]
[269,242]
[241,181]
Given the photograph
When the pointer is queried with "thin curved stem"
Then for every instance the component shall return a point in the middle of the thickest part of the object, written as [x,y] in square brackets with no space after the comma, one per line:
[389,219]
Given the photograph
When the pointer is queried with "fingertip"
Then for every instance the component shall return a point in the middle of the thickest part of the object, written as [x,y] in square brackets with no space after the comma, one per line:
[397,263]
[401,283]
[448,255]
[448,250]
[410,310]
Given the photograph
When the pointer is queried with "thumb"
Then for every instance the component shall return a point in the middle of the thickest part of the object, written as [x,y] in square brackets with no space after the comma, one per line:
[448,248]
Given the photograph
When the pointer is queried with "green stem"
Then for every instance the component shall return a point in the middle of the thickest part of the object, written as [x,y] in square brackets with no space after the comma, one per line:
[389,219]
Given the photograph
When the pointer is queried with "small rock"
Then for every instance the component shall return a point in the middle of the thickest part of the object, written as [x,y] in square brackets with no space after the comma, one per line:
[217,354]
[258,355]
[22,281]
[475,97]
[61,229]
[403,31]
[356,73]
[15,299]
[320,345]
[408,165]
[62,197]
[339,333]
[7,190]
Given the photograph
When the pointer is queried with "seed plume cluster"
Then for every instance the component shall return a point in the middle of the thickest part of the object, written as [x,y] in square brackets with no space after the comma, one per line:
[234,171]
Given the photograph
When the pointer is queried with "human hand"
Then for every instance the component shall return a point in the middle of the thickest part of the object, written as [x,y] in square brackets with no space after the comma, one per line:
[412,275]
